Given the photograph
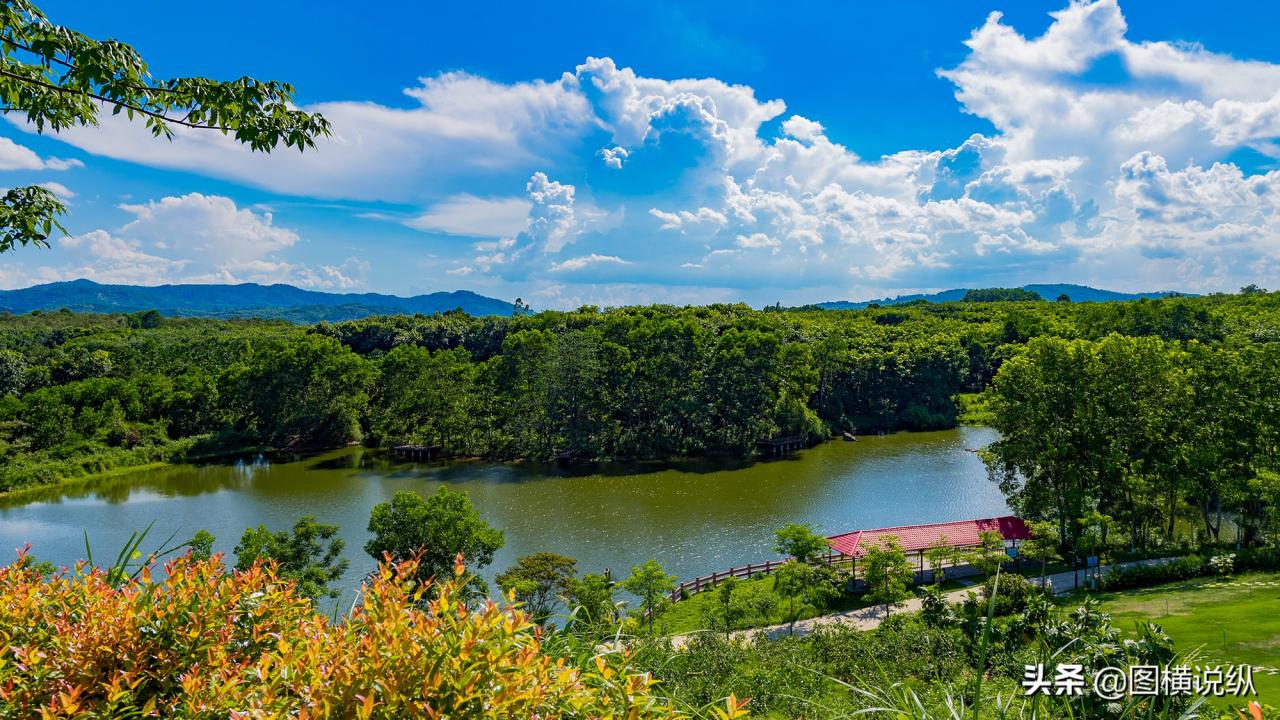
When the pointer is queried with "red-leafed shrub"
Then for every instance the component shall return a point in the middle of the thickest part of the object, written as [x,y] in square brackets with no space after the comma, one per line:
[207,643]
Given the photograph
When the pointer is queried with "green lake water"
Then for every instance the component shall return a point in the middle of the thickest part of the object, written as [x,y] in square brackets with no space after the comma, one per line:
[694,517]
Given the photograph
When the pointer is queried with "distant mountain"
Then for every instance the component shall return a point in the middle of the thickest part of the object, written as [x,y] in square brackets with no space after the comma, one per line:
[1077,293]
[248,300]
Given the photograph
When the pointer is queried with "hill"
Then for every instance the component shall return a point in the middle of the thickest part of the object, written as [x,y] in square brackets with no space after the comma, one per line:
[1077,293]
[248,300]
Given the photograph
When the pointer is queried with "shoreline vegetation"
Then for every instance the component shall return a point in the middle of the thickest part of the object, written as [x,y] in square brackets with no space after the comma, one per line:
[83,394]
[83,477]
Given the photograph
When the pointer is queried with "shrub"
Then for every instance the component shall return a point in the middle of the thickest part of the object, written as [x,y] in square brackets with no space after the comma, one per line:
[1258,558]
[1144,575]
[205,642]
[1223,563]
[1014,594]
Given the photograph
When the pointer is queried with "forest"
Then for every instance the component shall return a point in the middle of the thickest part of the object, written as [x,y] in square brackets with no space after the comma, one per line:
[84,393]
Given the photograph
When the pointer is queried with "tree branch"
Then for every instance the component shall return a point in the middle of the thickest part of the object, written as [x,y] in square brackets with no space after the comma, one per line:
[72,66]
[118,103]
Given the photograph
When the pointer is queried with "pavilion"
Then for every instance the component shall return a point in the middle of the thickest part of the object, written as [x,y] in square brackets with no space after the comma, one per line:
[917,539]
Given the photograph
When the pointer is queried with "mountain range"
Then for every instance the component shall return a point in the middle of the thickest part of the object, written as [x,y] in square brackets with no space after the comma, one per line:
[1077,293]
[247,300]
[286,302]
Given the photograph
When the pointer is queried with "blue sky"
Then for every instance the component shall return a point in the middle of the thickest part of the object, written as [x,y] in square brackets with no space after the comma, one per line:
[615,153]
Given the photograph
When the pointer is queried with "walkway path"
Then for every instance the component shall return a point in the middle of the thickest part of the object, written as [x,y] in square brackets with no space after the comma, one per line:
[869,617]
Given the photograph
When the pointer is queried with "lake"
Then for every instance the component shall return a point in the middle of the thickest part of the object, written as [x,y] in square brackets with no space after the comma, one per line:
[694,517]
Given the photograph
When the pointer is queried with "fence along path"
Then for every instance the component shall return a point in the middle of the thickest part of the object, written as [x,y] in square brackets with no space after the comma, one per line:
[706,582]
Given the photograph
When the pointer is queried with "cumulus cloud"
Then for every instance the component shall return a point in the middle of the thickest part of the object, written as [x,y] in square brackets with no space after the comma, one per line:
[193,238]
[1110,164]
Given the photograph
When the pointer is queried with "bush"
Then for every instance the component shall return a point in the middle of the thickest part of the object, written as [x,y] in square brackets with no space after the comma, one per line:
[1258,558]
[1015,592]
[1223,563]
[1181,568]
[204,642]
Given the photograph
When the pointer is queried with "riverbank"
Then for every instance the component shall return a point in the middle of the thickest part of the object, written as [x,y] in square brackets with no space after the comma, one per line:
[41,469]
[38,477]
[33,493]
[33,476]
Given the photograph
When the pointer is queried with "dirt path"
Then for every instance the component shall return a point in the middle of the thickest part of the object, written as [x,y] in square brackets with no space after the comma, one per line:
[869,617]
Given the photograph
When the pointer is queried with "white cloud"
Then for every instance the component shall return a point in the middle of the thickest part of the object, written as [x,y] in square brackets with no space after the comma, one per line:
[463,128]
[20,157]
[586,261]
[194,238]
[475,216]
[551,218]
[58,189]
[614,156]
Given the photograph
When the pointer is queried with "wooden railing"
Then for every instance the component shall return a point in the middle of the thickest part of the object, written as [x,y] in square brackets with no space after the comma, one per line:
[706,582]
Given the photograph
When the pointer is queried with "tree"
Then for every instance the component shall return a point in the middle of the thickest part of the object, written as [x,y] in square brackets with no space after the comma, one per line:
[730,610]
[800,542]
[1063,298]
[1000,295]
[59,78]
[990,553]
[591,599]
[201,545]
[1042,546]
[429,397]
[1099,536]
[306,392]
[439,528]
[940,553]
[14,371]
[651,583]
[310,555]
[887,572]
[540,581]
[798,581]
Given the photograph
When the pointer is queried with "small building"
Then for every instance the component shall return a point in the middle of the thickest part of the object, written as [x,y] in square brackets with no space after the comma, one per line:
[917,539]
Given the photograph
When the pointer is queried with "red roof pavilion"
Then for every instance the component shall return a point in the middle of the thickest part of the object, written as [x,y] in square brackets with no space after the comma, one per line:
[918,538]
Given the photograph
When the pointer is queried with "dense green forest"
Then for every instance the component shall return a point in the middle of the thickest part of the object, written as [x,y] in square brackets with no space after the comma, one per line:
[84,393]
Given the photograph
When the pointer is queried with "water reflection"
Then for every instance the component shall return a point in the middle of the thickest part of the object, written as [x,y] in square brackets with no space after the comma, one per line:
[695,516]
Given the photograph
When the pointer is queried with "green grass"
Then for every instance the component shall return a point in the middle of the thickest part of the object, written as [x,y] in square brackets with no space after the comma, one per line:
[695,612]
[1231,621]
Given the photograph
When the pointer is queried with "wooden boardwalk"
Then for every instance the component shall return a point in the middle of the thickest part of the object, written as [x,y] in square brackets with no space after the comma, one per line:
[418,452]
[773,447]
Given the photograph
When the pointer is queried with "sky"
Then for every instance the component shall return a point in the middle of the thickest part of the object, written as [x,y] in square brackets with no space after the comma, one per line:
[613,153]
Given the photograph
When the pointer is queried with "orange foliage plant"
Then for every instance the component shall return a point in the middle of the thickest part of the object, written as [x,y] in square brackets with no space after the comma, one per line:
[208,643]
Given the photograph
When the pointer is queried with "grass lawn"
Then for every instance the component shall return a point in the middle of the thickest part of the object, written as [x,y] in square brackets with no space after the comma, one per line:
[1232,621]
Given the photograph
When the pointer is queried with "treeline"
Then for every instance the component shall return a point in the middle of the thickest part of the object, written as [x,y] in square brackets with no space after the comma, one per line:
[1127,440]
[83,393]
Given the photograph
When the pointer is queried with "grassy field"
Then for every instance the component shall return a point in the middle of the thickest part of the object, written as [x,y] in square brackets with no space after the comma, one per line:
[1236,620]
